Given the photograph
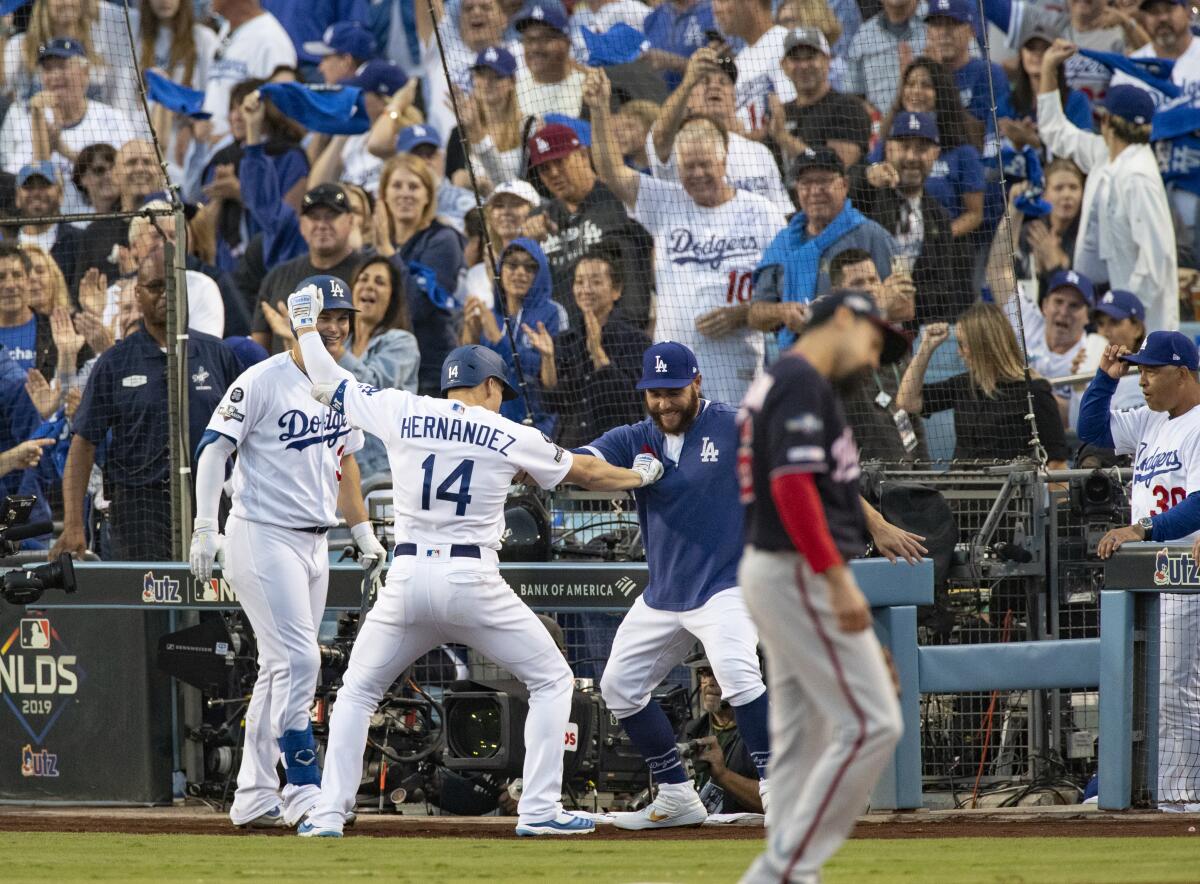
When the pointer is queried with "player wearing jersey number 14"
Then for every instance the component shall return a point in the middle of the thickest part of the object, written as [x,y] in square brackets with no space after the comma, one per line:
[1164,438]
[452,461]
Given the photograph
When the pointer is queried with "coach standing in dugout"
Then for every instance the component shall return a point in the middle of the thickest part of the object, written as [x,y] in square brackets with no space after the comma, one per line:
[1164,438]
[126,396]
[834,714]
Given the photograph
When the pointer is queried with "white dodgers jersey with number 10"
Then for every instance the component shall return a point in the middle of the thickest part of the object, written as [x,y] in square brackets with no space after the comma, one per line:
[1166,457]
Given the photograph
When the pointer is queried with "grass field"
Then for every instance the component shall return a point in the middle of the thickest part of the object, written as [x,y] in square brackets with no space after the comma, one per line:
[198,858]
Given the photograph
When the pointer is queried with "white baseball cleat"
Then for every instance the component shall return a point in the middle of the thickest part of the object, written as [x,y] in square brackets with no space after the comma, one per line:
[667,810]
[272,819]
[566,823]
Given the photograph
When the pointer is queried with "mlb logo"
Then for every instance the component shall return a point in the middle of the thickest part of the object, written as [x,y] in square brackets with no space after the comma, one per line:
[433,553]
[35,633]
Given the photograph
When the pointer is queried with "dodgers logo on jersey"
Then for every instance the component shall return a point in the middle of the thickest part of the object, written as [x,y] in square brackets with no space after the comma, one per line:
[708,451]
[685,248]
[301,430]
[1147,464]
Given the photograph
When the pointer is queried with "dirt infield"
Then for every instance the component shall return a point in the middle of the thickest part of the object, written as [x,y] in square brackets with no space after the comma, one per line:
[1033,822]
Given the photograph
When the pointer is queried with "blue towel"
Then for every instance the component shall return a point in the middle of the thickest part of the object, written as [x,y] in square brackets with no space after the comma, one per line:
[582,130]
[332,110]
[620,44]
[1024,165]
[173,96]
[1154,72]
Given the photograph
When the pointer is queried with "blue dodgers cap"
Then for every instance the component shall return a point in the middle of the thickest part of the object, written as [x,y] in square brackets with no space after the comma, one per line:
[1130,103]
[1071,279]
[496,59]
[379,76]
[334,292]
[44,169]
[958,10]
[895,342]
[344,38]
[549,14]
[1121,305]
[1166,348]
[915,125]
[61,47]
[667,366]
[413,137]
[471,365]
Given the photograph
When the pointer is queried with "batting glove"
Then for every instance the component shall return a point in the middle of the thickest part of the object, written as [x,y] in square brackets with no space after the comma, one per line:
[207,546]
[304,306]
[649,467]
[369,548]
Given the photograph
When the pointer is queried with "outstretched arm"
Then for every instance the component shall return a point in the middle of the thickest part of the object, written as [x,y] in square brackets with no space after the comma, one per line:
[595,474]
[606,154]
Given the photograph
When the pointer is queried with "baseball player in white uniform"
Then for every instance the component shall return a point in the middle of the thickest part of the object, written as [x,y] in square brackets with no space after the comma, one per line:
[295,469]
[452,461]
[1164,438]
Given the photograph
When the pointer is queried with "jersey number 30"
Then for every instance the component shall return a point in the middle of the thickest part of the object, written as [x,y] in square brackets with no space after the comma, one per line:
[460,476]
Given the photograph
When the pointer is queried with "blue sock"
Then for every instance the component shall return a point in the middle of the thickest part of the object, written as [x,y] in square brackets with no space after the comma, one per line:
[755,731]
[651,733]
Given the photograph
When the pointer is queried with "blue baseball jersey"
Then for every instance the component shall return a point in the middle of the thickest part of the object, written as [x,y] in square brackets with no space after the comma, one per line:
[691,518]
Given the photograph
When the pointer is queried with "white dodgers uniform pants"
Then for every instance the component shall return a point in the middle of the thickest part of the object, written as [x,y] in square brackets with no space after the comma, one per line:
[834,717]
[650,643]
[281,577]
[1179,699]
[432,599]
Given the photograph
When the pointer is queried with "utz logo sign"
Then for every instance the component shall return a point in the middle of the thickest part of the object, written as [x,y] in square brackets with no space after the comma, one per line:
[38,764]
[1175,569]
[161,590]
[37,673]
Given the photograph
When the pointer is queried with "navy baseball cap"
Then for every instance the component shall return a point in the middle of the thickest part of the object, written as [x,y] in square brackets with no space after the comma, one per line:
[1121,305]
[549,14]
[1146,3]
[413,137]
[496,59]
[44,169]
[379,77]
[667,366]
[895,342]
[817,158]
[1070,279]
[61,47]
[1130,103]
[1166,348]
[471,365]
[344,38]
[335,293]
[329,195]
[958,10]
[915,125]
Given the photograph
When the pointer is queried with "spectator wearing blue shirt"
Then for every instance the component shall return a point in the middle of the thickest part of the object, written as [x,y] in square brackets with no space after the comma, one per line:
[950,30]
[126,404]
[307,22]
[676,29]
[528,309]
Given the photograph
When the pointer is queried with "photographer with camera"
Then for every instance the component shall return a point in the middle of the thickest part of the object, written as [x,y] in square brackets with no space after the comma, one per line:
[725,774]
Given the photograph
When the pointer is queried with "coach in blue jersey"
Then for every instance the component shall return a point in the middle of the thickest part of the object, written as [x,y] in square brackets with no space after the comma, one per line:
[691,524]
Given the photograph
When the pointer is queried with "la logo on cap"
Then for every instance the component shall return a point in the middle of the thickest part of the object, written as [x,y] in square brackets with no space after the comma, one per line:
[1072,276]
[328,35]
[543,145]
[914,123]
[1108,299]
[660,367]
[336,290]
[537,13]
[491,55]
[419,131]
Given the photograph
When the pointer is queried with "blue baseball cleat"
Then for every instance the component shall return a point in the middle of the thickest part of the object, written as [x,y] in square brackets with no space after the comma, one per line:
[308,830]
[564,824]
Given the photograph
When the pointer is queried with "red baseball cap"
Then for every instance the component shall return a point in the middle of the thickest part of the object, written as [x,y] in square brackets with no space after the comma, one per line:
[551,143]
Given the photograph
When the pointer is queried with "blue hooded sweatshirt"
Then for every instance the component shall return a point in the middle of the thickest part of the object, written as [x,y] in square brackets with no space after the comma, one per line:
[538,306]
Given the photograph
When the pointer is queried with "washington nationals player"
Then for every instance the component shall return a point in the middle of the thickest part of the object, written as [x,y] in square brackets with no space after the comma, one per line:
[834,714]
[692,527]
[295,469]
[1164,438]
[452,461]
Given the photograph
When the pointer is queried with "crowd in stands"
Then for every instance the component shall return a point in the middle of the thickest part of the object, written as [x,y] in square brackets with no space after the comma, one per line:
[566,182]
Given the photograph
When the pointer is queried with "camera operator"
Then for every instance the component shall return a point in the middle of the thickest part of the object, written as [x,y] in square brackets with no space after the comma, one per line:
[725,774]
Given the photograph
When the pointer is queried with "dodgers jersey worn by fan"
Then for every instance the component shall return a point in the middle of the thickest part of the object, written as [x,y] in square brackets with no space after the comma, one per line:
[289,446]
[691,518]
[705,259]
[1166,457]
[451,463]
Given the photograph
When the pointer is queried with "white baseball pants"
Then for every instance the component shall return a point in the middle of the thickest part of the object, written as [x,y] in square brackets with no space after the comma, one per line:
[432,599]
[281,577]
[650,643]
[1179,699]
[834,717]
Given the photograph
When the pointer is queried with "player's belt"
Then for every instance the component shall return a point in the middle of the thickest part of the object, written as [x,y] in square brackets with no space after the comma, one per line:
[315,529]
[457,550]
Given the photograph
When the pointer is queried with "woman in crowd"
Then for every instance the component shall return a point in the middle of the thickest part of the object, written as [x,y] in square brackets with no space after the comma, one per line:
[381,350]
[491,121]
[1021,130]
[507,210]
[990,398]
[93,176]
[47,285]
[525,285]
[957,178]
[428,251]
